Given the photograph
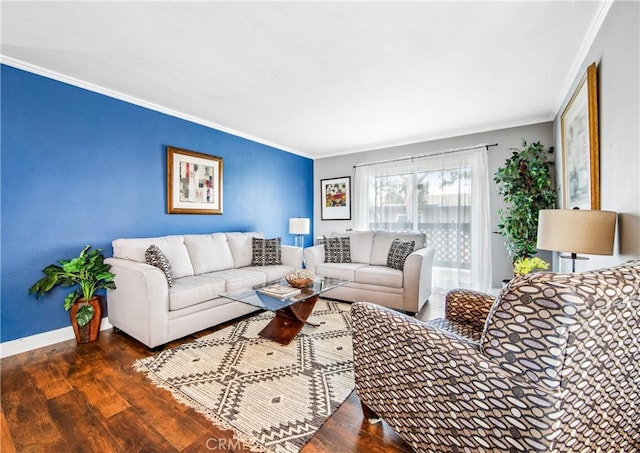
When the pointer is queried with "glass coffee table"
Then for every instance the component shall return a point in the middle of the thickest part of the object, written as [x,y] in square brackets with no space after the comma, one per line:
[291,313]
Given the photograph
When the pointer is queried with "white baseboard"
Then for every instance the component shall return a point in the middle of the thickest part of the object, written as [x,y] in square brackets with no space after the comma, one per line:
[13,347]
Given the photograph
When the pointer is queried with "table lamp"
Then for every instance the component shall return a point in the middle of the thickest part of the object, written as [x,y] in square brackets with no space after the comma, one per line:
[299,227]
[576,231]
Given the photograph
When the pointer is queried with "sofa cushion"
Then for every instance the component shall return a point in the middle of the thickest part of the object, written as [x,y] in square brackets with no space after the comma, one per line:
[172,246]
[398,253]
[209,252]
[238,278]
[337,250]
[242,248]
[188,291]
[360,244]
[379,275]
[155,257]
[382,244]
[345,271]
[266,252]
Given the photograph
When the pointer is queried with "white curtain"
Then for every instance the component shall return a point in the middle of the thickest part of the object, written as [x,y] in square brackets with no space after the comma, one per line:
[446,196]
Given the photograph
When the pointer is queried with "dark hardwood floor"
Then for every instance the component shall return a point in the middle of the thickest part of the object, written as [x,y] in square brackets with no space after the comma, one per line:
[87,398]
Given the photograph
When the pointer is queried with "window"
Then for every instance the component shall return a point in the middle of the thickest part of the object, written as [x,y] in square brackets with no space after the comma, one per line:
[445,196]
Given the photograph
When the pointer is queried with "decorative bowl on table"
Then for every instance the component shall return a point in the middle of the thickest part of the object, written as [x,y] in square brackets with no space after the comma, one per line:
[300,278]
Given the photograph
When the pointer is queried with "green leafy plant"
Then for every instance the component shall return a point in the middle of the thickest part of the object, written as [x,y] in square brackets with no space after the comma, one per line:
[524,266]
[87,271]
[525,183]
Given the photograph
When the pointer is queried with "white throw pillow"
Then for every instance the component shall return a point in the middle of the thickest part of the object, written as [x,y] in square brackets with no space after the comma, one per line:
[242,247]
[361,244]
[171,246]
[209,252]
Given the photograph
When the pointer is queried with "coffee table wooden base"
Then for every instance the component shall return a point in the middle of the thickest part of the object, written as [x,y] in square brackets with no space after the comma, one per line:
[289,321]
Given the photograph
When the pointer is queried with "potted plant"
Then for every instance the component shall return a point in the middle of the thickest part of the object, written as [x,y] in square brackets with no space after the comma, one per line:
[525,182]
[88,273]
[523,266]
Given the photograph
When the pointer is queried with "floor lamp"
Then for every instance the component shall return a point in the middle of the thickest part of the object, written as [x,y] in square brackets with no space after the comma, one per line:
[576,231]
[299,227]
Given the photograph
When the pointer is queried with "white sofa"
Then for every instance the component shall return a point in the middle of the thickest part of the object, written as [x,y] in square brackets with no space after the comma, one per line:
[370,278]
[205,267]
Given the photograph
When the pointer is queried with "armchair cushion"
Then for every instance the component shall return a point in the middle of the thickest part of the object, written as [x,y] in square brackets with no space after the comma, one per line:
[529,327]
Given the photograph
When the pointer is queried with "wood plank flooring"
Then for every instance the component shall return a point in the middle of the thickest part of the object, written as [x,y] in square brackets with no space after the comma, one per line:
[87,398]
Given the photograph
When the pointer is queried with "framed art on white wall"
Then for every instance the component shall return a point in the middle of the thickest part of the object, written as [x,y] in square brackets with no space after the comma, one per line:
[580,145]
[335,198]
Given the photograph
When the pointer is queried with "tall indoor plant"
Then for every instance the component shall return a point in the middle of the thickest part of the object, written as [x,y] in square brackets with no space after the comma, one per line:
[88,273]
[525,182]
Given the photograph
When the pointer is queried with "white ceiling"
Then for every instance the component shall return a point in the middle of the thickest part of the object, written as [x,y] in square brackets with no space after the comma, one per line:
[316,78]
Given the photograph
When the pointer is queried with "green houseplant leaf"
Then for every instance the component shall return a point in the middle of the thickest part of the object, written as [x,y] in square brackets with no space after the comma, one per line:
[525,182]
[87,273]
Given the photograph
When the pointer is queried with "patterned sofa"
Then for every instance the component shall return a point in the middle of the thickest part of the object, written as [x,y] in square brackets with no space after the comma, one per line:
[372,274]
[553,364]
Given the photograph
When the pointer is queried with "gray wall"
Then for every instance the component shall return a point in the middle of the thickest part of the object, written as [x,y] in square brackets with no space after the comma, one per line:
[507,139]
[616,51]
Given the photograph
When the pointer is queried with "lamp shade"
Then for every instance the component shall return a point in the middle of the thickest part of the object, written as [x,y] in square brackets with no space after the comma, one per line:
[299,226]
[577,231]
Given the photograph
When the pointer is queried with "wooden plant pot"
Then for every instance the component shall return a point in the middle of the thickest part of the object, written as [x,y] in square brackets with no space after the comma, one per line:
[90,331]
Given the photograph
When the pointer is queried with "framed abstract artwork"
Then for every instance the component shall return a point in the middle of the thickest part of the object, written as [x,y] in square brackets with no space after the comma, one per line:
[194,182]
[335,198]
[580,145]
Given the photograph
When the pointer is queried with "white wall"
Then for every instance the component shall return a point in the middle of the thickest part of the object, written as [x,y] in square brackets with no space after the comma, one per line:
[616,51]
[507,140]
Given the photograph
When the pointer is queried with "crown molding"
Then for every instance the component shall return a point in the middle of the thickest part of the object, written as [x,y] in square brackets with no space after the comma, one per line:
[578,62]
[25,66]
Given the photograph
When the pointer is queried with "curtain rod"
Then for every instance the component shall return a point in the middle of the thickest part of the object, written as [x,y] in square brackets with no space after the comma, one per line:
[448,151]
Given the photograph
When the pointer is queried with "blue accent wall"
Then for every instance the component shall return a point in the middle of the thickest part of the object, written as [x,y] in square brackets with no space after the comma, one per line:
[80,168]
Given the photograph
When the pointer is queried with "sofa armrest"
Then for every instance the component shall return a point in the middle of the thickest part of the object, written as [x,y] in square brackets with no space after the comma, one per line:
[417,271]
[312,256]
[468,307]
[140,303]
[409,373]
[292,256]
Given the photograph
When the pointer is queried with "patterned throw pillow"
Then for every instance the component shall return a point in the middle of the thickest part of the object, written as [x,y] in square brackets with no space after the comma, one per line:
[155,257]
[337,250]
[398,253]
[266,252]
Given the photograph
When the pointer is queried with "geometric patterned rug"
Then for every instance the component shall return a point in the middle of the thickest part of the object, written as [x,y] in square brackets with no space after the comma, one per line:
[273,397]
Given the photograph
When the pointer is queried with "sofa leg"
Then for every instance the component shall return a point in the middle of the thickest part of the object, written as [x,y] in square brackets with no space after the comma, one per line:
[369,414]
[158,348]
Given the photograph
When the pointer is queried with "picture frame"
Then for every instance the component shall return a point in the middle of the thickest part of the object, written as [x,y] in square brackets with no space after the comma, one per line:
[194,182]
[580,145]
[335,198]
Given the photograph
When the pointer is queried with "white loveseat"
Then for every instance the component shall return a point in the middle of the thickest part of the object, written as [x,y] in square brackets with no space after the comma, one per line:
[205,267]
[370,278]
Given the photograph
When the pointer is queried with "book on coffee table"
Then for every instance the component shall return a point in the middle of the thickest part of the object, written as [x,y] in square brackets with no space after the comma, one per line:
[279,292]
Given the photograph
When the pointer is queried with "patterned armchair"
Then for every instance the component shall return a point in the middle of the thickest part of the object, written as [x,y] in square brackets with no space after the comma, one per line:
[553,364]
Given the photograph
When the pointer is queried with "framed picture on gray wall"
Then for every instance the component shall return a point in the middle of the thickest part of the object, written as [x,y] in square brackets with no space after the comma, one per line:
[335,198]
[194,182]
[580,145]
